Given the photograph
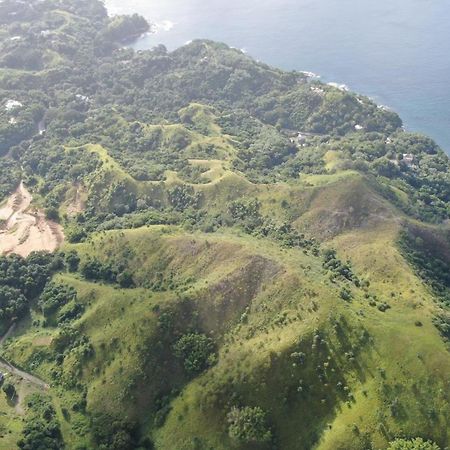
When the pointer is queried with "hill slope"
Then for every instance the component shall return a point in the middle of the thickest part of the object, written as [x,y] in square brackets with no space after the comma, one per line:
[252,259]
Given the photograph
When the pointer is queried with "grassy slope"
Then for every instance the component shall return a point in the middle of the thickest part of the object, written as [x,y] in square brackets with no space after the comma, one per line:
[265,377]
[289,298]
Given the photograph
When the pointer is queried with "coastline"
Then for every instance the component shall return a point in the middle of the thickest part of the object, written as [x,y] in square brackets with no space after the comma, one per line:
[424,108]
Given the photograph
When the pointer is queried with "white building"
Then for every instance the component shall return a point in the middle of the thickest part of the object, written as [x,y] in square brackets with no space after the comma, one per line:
[408,159]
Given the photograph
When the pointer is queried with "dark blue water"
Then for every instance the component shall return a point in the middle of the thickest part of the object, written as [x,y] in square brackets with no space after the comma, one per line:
[395,51]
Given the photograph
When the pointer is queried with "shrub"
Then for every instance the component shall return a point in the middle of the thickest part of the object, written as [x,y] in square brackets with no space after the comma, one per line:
[248,425]
[9,389]
[113,433]
[412,444]
[197,352]
[75,235]
[93,269]
[346,294]
[41,429]
[72,261]
[52,214]
[125,279]
[54,296]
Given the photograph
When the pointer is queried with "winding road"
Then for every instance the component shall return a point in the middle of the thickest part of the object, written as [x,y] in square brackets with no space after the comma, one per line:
[5,366]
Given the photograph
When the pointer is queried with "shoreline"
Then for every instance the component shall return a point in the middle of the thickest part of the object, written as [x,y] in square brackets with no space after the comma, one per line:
[416,116]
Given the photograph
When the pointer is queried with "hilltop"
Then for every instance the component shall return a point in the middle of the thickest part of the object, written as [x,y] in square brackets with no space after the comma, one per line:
[251,258]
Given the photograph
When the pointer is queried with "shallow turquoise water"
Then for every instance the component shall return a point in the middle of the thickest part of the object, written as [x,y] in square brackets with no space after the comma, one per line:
[396,51]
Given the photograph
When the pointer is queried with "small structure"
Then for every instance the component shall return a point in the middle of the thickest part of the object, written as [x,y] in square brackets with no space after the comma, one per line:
[317,90]
[83,98]
[358,127]
[408,159]
[301,138]
[12,104]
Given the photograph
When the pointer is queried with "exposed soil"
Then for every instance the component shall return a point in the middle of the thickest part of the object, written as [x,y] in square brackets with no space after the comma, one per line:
[77,205]
[24,229]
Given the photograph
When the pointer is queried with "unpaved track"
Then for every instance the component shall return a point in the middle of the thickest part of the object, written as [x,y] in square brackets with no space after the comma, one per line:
[5,366]
[24,229]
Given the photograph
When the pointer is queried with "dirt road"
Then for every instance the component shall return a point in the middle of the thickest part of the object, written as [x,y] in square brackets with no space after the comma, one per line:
[6,367]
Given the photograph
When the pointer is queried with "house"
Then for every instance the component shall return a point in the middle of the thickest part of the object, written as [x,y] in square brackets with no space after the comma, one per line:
[301,138]
[12,104]
[408,159]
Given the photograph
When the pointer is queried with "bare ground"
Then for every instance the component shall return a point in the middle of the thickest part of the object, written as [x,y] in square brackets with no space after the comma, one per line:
[24,229]
[77,204]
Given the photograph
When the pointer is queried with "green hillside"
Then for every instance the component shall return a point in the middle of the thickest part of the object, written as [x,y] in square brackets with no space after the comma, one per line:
[252,259]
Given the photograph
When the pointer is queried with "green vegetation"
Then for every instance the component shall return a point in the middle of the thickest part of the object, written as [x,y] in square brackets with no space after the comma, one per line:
[252,259]
[21,281]
[429,253]
[41,430]
[248,425]
[10,177]
[196,351]
[413,444]
[9,390]
[124,29]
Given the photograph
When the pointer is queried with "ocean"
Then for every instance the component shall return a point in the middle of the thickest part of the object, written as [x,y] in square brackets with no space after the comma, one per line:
[394,51]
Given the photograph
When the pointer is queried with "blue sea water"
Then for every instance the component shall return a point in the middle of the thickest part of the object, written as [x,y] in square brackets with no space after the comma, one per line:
[395,51]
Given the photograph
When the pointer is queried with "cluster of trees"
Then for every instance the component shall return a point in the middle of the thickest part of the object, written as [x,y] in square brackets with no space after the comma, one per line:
[139,219]
[183,197]
[442,323]
[196,351]
[10,175]
[9,389]
[54,296]
[16,11]
[248,425]
[412,444]
[426,251]
[22,280]
[41,429]
[124,29]
[112,433]
[266,149]
[192,174]
[18,122]
[246,214]
[59,168]
[339,269]
[96,270]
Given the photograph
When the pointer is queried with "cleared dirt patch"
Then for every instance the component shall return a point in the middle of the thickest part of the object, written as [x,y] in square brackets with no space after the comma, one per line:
[77,201]
[24,229]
